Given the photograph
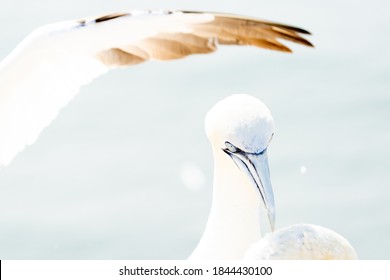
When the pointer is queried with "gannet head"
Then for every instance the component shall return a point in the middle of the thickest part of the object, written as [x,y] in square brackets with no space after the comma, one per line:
[241,126]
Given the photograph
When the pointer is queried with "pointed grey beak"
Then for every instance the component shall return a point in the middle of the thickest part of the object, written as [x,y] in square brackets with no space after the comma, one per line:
[255,165]
[259,172]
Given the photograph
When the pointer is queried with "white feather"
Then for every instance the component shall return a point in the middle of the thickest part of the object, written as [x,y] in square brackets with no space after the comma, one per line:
[48,68]
[302,242]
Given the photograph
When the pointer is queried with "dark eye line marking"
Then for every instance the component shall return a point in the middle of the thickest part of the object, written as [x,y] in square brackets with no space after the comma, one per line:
[241,152]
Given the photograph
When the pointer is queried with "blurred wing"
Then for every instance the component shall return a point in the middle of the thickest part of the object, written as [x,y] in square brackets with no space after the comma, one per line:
[48,68]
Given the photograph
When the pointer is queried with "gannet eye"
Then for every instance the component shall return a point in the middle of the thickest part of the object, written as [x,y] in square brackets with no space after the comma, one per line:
[231,147]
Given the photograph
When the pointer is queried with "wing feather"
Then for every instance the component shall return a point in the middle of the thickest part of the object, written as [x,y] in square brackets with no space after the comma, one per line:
[48,68]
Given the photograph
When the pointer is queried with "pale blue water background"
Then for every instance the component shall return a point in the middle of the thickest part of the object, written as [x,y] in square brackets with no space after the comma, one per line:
[103,180]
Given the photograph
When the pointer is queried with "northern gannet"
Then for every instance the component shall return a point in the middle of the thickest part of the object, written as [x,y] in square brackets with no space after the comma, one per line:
[240,128]
[302,242]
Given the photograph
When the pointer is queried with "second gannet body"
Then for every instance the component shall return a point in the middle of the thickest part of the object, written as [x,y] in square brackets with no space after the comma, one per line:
[302,242]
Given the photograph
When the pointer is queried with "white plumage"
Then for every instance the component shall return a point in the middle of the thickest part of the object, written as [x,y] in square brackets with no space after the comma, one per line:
[240,129]
[302,242]
[47,69]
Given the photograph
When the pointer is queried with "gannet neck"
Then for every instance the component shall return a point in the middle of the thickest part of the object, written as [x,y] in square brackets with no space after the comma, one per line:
[234,220]
[231,185]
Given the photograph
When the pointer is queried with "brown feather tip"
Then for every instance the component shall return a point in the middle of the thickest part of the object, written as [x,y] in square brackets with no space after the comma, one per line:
[237,30]
[296,29]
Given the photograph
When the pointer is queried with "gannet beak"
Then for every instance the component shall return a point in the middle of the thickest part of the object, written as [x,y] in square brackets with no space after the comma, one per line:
[259,172]
[255,165]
